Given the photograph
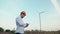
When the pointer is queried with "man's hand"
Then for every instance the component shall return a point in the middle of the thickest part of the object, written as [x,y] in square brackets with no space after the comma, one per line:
[26,25]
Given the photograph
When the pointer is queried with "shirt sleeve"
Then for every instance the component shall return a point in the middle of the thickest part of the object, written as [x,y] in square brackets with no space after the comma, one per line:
[20,22]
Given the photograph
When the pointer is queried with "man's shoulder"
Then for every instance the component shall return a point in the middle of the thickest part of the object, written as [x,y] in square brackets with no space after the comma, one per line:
[18,17]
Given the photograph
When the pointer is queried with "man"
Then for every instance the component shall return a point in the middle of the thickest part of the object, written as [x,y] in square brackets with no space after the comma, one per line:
[20,24]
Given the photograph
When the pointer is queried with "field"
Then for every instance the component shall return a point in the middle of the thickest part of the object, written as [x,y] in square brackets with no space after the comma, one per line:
[34,32]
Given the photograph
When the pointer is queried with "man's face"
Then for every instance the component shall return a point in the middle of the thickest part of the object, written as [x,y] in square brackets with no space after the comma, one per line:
[22,15]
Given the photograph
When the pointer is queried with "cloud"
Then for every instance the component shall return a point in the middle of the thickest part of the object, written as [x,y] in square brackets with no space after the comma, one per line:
[56,5]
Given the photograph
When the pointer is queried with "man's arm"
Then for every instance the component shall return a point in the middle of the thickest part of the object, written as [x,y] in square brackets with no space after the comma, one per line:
[26,25]
[20,22]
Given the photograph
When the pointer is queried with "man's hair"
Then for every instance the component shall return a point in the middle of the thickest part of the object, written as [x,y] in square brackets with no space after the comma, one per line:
[23,12]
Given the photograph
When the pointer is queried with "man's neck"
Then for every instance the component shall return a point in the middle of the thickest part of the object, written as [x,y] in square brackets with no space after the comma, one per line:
[21,16]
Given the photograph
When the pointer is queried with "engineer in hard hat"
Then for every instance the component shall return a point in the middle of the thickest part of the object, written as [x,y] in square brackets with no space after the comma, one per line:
[20,24]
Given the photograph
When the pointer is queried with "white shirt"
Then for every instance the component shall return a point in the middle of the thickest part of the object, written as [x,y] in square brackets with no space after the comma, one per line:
[20,25]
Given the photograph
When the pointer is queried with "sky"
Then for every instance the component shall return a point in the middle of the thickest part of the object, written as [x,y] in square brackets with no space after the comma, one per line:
[50,18]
